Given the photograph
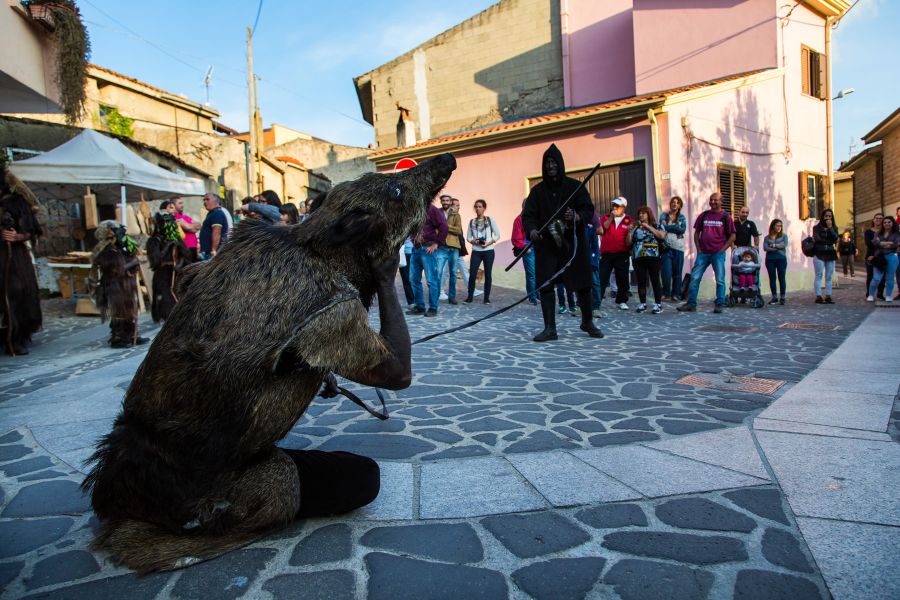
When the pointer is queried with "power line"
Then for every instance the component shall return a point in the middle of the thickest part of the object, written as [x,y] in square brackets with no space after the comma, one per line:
[256,21]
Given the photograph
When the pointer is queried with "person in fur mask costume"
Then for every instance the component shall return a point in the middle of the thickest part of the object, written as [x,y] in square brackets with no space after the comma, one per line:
[117,293]
[168,256]
[21,305]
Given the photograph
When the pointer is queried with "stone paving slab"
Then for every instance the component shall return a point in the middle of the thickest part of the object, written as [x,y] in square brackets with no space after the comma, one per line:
[474,487]
[794,427]
[859,560]
[396,498]
[567,481]
[838,478]
[731,448]
[656,474]
[807,403]
[856,383]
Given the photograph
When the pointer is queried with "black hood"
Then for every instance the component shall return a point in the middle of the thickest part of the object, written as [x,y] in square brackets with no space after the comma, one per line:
[554,152]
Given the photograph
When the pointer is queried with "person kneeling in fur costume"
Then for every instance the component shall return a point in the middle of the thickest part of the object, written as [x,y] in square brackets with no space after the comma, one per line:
[117,293]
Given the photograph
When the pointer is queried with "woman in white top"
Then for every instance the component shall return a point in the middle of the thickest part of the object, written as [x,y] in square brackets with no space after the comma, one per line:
[482,234]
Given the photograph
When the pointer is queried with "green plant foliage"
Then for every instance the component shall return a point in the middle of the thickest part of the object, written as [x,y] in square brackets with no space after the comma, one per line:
[72,56]
[116,122]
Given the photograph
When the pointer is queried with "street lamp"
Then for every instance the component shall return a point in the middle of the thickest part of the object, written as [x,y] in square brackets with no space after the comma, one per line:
[844,93]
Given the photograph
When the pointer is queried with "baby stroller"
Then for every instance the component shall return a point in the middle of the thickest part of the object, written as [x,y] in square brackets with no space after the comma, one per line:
[749,294]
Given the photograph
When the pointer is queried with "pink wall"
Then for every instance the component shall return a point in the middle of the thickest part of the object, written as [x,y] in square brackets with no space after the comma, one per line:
[598,50]
[683,42]
[500,175]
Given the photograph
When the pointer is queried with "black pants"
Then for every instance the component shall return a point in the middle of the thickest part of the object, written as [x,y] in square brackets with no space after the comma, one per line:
[333,483]
[646,268]
[404,277]
[121,331]
[776,266]
[616,262]
[479,257]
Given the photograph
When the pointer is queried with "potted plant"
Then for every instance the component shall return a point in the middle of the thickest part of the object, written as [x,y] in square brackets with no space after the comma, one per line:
[72,50]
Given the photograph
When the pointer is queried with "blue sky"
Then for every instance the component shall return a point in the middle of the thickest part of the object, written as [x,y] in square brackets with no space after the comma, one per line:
[307,53]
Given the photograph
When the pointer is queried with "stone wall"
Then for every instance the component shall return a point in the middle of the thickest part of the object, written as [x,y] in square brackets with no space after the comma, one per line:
[336,161]
[503,64]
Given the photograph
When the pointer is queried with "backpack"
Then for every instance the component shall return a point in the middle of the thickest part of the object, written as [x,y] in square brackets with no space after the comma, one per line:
[808,246]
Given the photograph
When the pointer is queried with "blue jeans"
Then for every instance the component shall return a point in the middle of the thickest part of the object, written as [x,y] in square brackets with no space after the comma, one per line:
[704,259]
[447,256]
[596,293]
[887,274]
[422,261]
[672,265]
[823,267]
[530,280]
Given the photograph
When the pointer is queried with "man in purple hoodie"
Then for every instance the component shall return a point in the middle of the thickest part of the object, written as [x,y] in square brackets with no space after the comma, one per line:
[426,245]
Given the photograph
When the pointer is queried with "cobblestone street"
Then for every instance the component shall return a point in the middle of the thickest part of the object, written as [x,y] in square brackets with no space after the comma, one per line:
[682,456]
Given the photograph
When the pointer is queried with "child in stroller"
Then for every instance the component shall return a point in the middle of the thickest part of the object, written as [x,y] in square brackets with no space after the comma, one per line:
[745,268]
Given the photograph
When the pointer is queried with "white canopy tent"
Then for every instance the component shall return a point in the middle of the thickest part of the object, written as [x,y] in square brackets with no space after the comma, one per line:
[114,172]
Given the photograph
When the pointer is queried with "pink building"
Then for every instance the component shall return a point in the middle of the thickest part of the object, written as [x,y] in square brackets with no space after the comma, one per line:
[673,97]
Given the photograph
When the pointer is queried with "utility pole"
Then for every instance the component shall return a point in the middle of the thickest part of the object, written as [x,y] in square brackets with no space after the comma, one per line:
[251,91]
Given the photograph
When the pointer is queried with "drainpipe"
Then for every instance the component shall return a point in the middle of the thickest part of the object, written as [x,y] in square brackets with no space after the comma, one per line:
[564,34]
[829,126]
[654,142]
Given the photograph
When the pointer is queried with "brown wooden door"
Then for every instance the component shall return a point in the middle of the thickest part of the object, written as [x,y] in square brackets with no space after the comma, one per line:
[628,180]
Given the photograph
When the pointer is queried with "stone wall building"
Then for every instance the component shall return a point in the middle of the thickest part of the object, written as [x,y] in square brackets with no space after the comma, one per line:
[502,64]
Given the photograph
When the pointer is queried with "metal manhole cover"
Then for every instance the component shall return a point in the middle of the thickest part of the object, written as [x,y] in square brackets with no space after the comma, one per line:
[808,326]
[733,383]
[725,329]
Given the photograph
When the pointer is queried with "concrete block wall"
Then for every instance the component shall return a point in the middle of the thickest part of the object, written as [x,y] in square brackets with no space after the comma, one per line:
[502,64]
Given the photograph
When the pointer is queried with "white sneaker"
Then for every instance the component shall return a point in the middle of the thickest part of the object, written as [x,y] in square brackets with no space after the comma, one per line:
[888,299]
[478,293]
[656,309]
[870,298]
[598,314]
[624,306]
[640,308]
[443,296]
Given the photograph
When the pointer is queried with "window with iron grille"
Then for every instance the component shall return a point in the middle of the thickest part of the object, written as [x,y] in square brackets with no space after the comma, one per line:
[813,194]
[732,186]
[812,72]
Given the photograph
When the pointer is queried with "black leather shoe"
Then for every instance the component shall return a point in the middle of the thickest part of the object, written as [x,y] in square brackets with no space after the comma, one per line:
[415,310]
[687,307]
[819,300]
[828,300]
[430,313]
[120,344]
[141,340]
[546,335]
[453,301]
[592,330]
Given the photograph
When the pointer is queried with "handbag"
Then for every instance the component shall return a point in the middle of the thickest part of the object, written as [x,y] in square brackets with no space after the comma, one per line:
[879,262]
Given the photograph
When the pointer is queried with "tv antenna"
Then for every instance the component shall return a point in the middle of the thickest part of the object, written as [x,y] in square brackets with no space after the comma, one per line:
[207,81]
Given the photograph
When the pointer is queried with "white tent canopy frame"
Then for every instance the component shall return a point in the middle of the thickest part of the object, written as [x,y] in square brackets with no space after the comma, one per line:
[114,172]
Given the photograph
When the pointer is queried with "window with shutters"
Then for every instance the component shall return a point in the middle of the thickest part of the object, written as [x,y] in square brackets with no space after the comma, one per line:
[812,72]
[813,194]
[732,186]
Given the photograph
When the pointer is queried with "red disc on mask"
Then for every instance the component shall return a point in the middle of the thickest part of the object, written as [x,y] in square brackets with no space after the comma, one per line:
[405,163]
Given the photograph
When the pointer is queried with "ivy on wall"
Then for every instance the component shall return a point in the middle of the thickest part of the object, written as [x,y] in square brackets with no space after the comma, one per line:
[116,122]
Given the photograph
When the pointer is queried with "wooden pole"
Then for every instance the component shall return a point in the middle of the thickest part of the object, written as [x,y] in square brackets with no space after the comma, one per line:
[251,91]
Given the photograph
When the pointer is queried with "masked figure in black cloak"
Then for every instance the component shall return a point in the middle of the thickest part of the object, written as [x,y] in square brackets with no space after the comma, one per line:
[167,255]
[553,247]
[20,305]
[117,294]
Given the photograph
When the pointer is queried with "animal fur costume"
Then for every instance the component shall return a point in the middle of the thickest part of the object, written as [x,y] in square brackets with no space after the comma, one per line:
[190,469]
[117,294]
[167,255]
[20,309]
[551,254]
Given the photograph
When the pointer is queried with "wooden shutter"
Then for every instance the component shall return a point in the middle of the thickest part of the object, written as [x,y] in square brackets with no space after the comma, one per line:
[804,196]
[804,70]
[725,187]
[822,200]
[821,75]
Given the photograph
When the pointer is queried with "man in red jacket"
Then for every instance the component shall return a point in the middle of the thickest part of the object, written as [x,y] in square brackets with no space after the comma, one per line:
[614,253]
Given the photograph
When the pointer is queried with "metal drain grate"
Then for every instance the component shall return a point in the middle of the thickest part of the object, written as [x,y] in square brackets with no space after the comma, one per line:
[725,329]
[808,326]
[733,383]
